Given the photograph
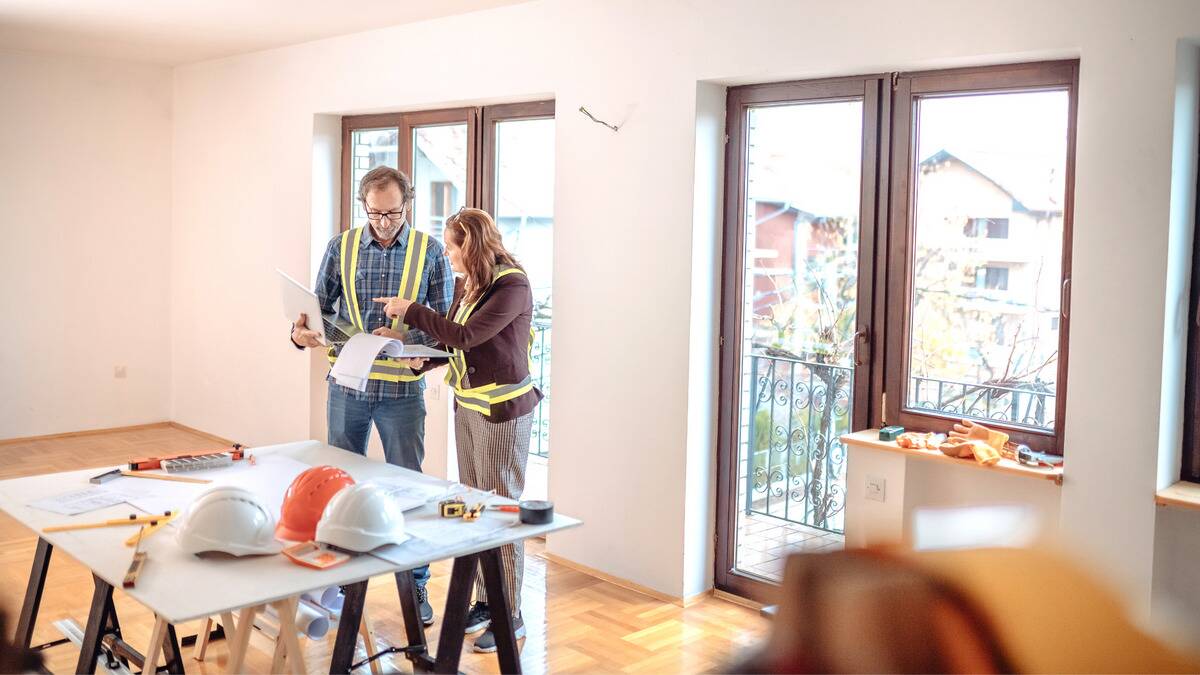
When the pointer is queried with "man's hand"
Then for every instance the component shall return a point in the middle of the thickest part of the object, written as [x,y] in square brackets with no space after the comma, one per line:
[388,333]
[415,364]
[302,336]
[394,307]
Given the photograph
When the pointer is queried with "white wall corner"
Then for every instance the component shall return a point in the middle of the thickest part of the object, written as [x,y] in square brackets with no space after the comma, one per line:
[700,493]
[325,205]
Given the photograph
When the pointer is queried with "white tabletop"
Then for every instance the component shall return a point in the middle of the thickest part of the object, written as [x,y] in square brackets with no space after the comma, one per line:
[182,587]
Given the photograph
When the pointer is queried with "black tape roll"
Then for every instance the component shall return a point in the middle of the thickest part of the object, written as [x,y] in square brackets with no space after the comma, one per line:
[536,512]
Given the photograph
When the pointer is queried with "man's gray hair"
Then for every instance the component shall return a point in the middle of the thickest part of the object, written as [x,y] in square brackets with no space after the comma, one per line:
[379,177]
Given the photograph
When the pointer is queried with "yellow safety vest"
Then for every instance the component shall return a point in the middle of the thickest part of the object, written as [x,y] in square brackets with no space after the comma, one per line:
[481,398]
[385,369]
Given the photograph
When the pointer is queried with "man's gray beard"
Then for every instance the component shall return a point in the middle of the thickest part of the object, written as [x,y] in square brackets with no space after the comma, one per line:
[387,234]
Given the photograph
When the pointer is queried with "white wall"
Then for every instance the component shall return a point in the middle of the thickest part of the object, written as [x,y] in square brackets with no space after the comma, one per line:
[627,267]
[85,161]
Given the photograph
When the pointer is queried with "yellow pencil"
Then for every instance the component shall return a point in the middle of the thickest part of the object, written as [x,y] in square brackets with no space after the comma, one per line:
[115,522]
[163,476]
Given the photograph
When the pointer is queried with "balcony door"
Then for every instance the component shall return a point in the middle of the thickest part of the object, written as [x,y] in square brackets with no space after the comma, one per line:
[800,239]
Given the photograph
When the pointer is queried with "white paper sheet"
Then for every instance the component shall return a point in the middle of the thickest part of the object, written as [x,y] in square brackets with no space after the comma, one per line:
[437,532]
[269,478]
[353,366]
[400,350]
[80,501]
[411,494]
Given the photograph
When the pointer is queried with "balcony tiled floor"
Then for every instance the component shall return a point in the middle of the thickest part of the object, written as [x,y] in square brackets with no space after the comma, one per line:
[765,542]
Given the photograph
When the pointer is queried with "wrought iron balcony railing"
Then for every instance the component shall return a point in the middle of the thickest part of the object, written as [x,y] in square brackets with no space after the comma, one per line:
[539,442]
[797,410]
[796,468]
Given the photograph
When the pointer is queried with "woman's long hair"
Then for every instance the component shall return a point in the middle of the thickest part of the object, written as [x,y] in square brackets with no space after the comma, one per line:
[475,233]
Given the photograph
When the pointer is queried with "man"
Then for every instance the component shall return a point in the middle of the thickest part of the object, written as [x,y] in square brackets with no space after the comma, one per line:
[386,258]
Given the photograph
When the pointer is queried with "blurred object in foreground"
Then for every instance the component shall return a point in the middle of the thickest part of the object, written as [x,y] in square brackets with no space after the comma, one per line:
[984,610]
[16,658]
[974,527]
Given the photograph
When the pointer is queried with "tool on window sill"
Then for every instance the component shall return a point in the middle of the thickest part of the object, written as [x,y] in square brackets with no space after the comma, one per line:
[190,461]
[133,519]
[1030,457]
[890,433]
[135,567]
[163,476]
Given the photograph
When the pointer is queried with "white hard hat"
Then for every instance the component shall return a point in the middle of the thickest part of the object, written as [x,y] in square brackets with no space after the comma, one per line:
[228,519]
[361,518]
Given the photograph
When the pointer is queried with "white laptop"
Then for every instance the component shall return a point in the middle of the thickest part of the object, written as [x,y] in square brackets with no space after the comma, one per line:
[298,299]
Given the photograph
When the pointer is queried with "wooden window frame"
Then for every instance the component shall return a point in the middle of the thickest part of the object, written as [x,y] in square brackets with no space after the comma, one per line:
[870,89]
[486,166]
[907,89]
[405,123]
[481,158]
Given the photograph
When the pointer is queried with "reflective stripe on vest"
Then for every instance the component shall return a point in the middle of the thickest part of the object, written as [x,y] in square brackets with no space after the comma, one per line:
[482,398]
[388,370]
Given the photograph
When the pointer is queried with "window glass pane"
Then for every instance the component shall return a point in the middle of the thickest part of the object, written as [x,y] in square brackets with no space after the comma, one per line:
[370,148]
[525,199]
[524,212]
[987,257]
[800,290]
[439,175]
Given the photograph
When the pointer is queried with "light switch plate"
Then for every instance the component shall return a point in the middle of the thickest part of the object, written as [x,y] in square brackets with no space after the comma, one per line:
[876,488]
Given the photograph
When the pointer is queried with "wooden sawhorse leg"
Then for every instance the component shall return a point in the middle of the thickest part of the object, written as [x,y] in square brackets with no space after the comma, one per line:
[98,619]
[33,594]
[240,642]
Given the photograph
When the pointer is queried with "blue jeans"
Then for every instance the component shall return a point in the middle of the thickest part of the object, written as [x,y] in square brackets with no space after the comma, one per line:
[401,425]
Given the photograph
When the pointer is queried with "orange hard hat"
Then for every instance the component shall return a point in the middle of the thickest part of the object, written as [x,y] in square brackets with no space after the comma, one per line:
[305,500]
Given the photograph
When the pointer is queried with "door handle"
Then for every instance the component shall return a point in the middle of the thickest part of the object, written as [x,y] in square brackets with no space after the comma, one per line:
[1064,302]
[862,344]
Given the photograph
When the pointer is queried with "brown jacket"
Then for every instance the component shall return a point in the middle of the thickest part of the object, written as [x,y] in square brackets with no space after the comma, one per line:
[495,339]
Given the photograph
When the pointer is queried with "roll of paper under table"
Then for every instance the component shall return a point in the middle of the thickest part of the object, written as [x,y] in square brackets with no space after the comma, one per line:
[310,621]
[330,598]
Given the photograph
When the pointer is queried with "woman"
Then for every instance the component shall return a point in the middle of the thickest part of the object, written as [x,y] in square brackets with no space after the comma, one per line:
[489,336]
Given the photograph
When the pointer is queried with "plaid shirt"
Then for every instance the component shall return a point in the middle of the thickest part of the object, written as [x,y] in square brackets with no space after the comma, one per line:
[378,275]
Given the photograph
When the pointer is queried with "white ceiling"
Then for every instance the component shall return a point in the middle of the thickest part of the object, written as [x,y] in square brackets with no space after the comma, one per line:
[172,32]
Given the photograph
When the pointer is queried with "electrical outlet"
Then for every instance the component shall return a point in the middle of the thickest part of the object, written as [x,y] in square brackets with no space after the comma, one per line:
[876,488]
[119,372]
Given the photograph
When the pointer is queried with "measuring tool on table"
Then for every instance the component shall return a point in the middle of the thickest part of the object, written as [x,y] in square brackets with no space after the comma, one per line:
[191,461]
[139,561]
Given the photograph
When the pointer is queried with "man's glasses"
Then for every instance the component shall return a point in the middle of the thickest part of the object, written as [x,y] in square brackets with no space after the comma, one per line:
[391,216]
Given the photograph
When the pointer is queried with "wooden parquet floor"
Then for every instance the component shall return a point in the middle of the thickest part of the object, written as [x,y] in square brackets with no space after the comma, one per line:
[576,623]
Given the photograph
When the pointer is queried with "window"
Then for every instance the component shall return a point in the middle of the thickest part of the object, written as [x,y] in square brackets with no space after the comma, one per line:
[499,158]
[1190,466]
[370,148]
[991,228]
[441,198]
[976,335]
[991,278]
[896,251]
